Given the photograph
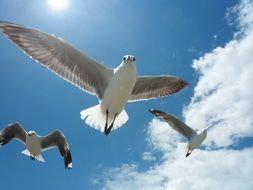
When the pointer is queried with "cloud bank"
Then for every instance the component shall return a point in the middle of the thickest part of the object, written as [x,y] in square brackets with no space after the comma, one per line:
[224,87]
[223,92]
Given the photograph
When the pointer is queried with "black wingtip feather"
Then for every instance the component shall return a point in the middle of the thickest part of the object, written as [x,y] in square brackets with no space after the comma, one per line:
[68,160]
[4,140]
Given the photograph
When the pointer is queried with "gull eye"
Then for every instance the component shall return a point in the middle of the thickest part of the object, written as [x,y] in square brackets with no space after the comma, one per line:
[124,58]
[134,59]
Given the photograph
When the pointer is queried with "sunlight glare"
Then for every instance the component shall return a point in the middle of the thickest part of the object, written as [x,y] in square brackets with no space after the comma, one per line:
[58,4]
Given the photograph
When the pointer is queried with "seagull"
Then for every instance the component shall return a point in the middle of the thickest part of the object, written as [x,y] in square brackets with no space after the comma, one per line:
[113,87]
[195,138]
[36,144]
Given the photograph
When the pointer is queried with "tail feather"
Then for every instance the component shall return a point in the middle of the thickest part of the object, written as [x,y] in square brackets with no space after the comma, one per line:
[120,120]
[95,118]
[26,152]
[38,157]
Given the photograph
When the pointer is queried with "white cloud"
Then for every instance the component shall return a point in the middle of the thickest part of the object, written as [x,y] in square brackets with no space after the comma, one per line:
[223,92]
[224,88]
[161,136]
[148,156]
[203,170]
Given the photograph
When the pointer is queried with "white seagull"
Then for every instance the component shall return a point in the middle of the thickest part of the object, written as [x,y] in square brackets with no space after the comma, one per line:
[113,87]
[195,138]
[36,144]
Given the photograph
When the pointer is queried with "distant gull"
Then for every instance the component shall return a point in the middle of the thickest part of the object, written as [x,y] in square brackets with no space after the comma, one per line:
[113,87]
[195,138]
[36,144]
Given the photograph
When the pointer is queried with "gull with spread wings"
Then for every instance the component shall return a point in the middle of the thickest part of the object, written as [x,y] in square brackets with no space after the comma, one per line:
[113,87]
[36,144]
[194,137]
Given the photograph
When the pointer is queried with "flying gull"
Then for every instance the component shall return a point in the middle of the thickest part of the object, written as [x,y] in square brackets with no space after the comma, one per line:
[195,138]
[113,87]
[36,144]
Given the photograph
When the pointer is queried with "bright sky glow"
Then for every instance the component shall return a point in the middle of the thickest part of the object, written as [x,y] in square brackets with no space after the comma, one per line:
[58,4]
[212,52]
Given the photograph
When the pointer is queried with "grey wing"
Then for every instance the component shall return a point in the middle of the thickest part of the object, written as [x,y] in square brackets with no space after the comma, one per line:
[175,123]
[13,130]
[57,139]
[60,57]
[149,87]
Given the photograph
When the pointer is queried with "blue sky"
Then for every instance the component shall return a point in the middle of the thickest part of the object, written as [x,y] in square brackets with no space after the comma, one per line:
[197,41]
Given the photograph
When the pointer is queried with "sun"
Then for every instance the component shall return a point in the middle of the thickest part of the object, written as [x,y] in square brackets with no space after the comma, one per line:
[58,4]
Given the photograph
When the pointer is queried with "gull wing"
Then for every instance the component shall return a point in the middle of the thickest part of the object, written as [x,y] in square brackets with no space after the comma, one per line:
[175,123]
[57,139]
[60,57]
[149,87]
[14,130]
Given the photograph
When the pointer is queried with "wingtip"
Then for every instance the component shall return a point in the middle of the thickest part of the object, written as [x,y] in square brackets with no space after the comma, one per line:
[185,83]
[1,140]
[153,111]
[3,24]
[69,166]
[68,160]
[180,85]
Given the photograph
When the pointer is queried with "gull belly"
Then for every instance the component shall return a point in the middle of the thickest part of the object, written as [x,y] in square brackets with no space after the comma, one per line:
[119,90]
[33,145]
[197,140]
[110,111]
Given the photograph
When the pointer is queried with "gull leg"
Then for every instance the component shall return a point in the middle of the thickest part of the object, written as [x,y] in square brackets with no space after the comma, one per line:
[106,121]
[111,126]
[32,157]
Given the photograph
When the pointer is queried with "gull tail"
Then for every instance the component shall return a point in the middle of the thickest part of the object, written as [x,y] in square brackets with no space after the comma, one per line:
[95,118]
[26,152]
[38,157]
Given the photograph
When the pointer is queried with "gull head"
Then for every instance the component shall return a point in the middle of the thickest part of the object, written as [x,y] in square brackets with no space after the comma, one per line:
[31,133]
[157,113]
[128,58]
